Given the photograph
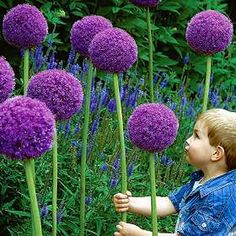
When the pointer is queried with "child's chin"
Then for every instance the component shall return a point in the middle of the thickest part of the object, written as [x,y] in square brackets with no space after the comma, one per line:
[188,159]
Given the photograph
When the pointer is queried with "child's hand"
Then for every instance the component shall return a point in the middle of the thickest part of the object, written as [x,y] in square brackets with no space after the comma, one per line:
[122,201]
[125,229]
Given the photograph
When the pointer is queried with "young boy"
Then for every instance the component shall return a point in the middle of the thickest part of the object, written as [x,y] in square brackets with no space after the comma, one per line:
[207,203]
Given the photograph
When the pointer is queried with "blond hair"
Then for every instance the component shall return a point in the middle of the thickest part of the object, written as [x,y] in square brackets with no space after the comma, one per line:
[221,125]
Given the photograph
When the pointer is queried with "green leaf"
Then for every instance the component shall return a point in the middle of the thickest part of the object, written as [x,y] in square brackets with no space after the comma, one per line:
[19,213]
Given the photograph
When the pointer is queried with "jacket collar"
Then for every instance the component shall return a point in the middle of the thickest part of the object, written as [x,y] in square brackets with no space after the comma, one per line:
[213,184]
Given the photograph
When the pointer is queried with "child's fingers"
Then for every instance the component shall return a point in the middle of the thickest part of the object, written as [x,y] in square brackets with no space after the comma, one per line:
[119,196]
[117,234]
[123,209]
[121,223]
[119,227]
[129,194]
[121,201]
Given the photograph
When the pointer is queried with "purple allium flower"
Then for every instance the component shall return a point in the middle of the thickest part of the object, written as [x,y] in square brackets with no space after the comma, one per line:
[152,127]
[113,50]
[84,30]
[145,3]
[209,32]
[60,90]
[24,26]
[26,128]
[7,81]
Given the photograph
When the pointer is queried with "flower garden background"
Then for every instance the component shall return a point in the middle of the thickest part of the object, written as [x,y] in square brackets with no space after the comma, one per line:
[58,49]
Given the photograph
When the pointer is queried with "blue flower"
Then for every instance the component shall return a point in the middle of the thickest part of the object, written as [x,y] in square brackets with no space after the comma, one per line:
[130,168]
[104,97]
[200,90]
[95,125]
[186,59]
[114,182]
[167,161]
[44,211]
[77,129]
[112,105]
[116,163]
[104,167]
[164,83]
[52,62]
[71,57]
[59,215]
[88,200]
[214,98]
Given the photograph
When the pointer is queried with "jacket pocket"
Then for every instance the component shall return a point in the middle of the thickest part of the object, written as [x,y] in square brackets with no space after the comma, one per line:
[204,222]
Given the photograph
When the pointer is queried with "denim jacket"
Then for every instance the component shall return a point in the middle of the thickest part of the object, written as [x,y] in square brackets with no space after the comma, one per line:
[210,209]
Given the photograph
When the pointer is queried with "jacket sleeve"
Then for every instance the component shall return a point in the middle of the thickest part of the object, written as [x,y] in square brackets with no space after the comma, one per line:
[177,195]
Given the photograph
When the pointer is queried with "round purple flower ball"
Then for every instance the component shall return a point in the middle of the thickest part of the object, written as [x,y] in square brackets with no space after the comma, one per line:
[209,32]
[60,90]
[113,50]
[84,30]
[145,3]
[7,81]
[26,128]
[152,127]
[24,26]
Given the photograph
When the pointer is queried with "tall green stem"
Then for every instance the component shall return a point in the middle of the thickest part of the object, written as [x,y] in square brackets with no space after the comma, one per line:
[84,149]
[122,140]
[25,86]
[33,198]
[26,70]
[207,83]
[150,63]
[54,191]
[153,194]
[151,156]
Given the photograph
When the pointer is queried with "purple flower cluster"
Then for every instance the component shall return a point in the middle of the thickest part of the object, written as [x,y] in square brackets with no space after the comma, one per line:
[60,90]
[113,50]
[84,30]
[26,128]
[209,32]
[7,81]
[152,127]
[145,3]
[24,26]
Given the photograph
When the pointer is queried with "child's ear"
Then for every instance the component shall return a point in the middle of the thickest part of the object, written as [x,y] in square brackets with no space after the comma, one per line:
[218,154]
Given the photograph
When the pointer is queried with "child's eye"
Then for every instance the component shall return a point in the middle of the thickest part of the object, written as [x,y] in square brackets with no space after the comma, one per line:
[196,135]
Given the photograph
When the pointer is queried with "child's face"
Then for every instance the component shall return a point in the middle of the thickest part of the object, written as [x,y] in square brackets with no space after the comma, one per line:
[198,148]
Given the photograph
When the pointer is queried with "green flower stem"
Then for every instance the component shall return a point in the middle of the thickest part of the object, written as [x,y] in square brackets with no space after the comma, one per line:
[151,156]
[207,83]
[33,198]
[25,86]
[54,191]
[26,70]
[84,149]
[122,141]
[153,194]
[150,63]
